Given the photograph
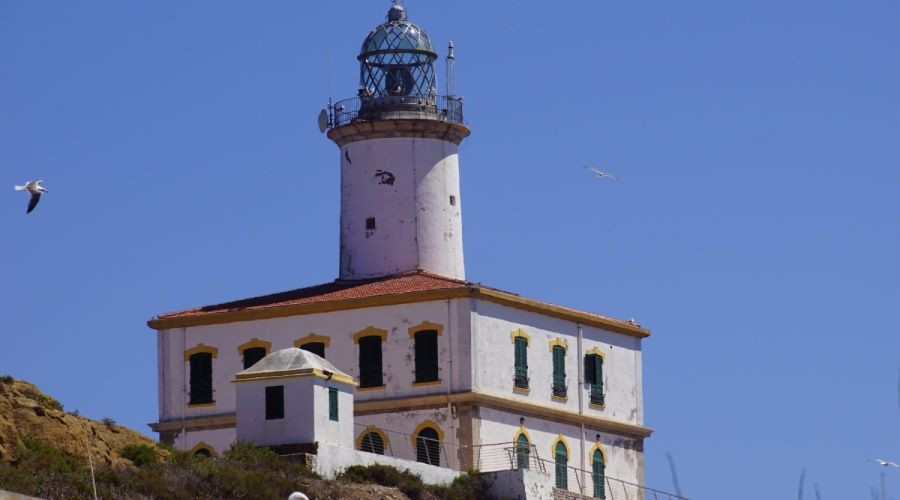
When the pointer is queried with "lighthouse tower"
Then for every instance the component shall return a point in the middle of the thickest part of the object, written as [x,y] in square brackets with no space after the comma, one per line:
[399,152]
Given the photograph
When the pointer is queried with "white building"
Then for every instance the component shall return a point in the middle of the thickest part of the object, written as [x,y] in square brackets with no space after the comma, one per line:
[490,376]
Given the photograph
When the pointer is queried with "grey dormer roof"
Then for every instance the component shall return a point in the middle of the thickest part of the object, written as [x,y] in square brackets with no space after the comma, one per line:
[293,362]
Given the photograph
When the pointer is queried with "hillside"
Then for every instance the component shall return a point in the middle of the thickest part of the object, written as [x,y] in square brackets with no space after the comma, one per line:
[42,453]
[26,411]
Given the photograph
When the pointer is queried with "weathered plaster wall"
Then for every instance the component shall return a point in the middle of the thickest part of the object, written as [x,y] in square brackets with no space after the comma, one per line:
[401,427]
[520,484]
[492,326]
[218,439]
[624,456]
[339,327]
[405,185]
[306,413]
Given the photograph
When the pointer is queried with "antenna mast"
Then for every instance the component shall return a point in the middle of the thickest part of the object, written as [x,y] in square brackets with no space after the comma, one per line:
[451,70]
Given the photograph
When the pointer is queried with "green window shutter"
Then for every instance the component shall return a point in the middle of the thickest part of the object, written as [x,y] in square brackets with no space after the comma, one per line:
[523,451]
[562,476]
[598,475]
[559,361]
[521,353]
[426,356]
[590,370]
[333,404]
[370,371]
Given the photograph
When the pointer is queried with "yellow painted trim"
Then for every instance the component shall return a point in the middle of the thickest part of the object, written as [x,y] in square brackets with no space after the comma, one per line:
[367,389]
[203,446]
[597,351]
[598,446]
[506,403]
[560,399]
[254,342]
[312,337]
[423,425]
[370,331]
[519,333]
[597,407]
[426,325]
[522,390]
[510,404]
[425,384]
[200,348]
[521,431]
[496,296]
[305,372]
[559,341]
[376,430]
[201,405]
[560,439]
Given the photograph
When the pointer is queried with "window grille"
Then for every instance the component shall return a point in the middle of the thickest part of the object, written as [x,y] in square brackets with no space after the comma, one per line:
[372,443]
[428,447]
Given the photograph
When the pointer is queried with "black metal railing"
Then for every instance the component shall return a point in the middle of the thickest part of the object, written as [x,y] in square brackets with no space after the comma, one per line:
[442,108]
[520,379]
[597,396]
[560,389]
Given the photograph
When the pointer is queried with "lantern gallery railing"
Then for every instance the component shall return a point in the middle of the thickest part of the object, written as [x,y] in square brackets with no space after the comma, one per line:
[443,108]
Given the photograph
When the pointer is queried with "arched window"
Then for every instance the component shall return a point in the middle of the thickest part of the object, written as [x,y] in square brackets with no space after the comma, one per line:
[252,355]
[201,378]
[562,460]
[523,451]
[372,443]
[428,447]
[203,452]
[598,474]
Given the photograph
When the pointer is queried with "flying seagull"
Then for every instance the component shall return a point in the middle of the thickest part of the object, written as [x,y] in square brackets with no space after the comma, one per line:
[601,174]
[884,463]
[35,189]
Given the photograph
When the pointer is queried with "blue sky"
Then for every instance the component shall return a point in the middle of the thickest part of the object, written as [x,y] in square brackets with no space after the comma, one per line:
[754,229]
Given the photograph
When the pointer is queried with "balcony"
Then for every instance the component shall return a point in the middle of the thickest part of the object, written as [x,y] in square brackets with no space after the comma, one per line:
[597,396]
[439,108]
[559,388]
[520,379]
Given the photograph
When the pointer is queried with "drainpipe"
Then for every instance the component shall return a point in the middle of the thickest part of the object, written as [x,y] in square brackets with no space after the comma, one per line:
[183,389]
[453,437]
[581,398]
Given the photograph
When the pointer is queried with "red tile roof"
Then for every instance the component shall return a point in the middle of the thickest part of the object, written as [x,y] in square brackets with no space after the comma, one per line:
[394,289]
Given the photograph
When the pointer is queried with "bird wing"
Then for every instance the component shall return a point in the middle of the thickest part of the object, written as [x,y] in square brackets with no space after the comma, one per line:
[35,198]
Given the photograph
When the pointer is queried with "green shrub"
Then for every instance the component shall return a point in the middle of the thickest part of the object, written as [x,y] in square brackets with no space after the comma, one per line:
[139,454]
[409,483]
[7,379]
[41,398]
[108,422]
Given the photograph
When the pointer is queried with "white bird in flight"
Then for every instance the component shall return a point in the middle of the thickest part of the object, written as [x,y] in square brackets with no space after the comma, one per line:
[35,189]
[884,463]
[600,173]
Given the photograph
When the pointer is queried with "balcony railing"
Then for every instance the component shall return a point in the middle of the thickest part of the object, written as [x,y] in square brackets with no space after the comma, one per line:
[442,108]
[520,379]
[597,396]
[560,389]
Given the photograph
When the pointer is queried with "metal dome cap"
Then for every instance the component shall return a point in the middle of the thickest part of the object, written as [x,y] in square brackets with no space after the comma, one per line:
[397,58]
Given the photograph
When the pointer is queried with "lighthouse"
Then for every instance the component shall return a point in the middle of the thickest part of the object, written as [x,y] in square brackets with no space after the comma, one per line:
[401,208]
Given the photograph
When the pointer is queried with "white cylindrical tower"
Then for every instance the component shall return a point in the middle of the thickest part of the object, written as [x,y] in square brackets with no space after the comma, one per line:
[399,152]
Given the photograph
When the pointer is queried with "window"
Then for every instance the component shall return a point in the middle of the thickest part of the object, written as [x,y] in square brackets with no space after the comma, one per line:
[252,355]
[559,371]
[274,402]
[593,375]
[520,378]
[203,452]
[373,443]
[201,378]
[370,224]
[426,356]
[333,404]
[317,348]
[523,451]
[562,459]
[598,474]
[370,362]
[428,447]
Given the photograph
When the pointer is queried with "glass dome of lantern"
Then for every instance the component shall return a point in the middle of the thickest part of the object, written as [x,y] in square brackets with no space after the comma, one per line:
[397,60]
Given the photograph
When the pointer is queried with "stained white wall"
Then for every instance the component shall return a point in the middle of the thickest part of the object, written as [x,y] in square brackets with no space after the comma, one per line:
[398,351]
[494,362]
[623,462]
[400,428]
[416,226]
[306,412]
[219,439]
